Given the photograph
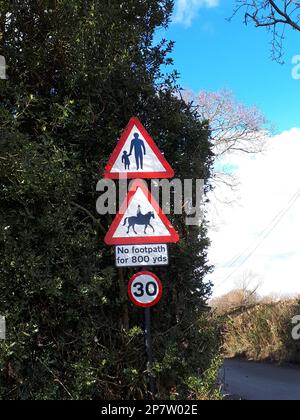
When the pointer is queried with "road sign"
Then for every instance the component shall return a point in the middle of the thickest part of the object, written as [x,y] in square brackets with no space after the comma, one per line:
[137,156]
[141,255]
[140,220]
[145,289]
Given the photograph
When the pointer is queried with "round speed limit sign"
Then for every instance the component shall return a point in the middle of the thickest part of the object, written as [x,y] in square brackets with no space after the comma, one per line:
[145,289]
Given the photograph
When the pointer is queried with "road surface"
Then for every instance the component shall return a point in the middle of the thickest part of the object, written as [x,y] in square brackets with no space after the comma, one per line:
[260,381]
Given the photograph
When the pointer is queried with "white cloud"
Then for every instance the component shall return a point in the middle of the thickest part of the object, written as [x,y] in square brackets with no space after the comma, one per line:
[268,182]
[186,10]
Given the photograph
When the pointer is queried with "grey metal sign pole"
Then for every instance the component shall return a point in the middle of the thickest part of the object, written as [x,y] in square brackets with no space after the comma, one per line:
[149,352]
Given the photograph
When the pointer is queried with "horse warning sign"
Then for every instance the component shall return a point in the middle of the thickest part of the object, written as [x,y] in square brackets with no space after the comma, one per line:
[140,220]
[142,255]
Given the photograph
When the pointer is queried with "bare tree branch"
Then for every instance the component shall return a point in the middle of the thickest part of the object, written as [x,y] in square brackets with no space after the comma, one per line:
[272,15]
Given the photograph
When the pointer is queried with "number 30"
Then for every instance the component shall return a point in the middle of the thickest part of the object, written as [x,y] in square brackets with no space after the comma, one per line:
[151,289]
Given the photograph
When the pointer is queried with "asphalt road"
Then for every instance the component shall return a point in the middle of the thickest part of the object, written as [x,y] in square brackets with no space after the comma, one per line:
[260,381]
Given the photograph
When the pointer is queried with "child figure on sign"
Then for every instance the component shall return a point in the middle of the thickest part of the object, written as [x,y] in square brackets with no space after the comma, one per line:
[126,160]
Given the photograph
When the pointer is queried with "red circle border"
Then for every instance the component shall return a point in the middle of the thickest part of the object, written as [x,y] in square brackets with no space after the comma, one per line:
[156,300]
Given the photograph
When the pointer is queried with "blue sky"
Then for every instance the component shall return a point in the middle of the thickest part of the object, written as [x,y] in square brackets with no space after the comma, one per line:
[256,235]
[212,53]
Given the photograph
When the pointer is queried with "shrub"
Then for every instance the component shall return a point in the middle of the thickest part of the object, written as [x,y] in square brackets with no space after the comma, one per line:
[264,332]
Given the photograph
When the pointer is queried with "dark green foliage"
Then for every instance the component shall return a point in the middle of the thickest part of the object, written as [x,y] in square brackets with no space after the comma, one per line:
[77,71]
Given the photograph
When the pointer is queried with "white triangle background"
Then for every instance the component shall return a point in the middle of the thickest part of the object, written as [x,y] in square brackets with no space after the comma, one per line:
[141,199]
[150,160]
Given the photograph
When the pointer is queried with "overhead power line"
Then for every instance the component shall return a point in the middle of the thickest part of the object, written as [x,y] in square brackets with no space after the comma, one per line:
[238,256]
[264,235]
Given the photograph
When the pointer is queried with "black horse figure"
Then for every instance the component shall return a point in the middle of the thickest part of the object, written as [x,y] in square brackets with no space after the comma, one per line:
[141,219]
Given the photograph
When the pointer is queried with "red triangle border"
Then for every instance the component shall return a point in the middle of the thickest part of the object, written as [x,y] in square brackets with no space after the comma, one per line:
[134,121]
[110,240]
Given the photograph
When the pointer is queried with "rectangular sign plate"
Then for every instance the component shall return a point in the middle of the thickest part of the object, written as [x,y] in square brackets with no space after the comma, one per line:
[142,255]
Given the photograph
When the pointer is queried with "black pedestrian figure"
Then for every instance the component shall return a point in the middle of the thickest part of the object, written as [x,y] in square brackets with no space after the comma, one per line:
[139,150]
[126,160]
[141,219]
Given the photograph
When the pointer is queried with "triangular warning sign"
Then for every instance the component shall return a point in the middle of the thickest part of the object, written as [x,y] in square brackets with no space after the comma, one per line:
[137,156]
[140,220]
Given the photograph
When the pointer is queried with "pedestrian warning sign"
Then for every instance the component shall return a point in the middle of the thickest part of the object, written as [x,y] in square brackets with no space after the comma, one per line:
[137,156]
